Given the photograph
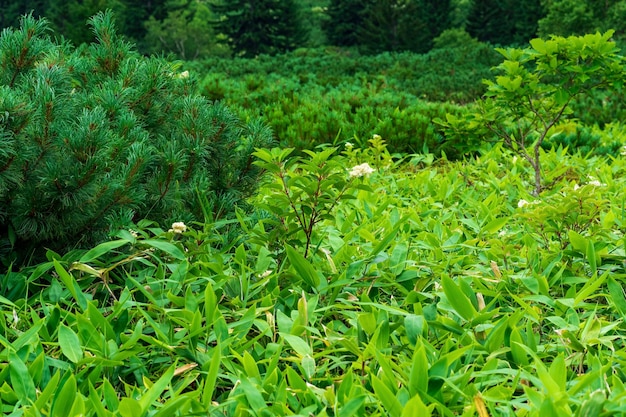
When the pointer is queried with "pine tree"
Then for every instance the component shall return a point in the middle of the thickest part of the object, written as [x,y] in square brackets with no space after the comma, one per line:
[344,17]
[403,25]
[256,27]
[490,21]
[506,22]
[98,137]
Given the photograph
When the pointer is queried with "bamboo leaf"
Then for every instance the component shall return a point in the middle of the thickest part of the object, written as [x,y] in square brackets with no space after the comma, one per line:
[70,344]
[155,391]
[21,381]
[389,401]
[457,299]
[102,249]
[166,247]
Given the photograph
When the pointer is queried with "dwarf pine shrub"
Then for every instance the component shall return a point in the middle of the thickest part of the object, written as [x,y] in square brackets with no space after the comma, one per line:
[98,136]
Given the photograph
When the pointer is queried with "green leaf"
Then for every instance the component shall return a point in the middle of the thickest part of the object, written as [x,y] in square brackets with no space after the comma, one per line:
[616,293]
[301,347]
[590,288]
[71,284]
[130,407]
[352,407]
[70,344]
[415,407]
[21,381]
[389,401]
[457,299]
[63,401]
[303,268]
[308,365]
[155,391]
[253,395]
[166,247]
[418,377]
[250,366]
[102,249]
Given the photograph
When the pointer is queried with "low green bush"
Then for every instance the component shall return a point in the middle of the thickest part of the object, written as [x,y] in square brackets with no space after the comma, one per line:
[99,137]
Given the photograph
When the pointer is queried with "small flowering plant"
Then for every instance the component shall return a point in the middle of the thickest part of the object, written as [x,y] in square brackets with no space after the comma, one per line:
[300,192]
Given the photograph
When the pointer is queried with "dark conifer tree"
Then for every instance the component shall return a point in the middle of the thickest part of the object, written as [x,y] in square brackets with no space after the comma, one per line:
[12,10]
[504,22]
[344,18]
[261,26]
[403,25]
[95,138]
[490,21]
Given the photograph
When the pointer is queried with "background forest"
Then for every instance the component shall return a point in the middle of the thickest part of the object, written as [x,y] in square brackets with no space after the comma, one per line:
[193,29]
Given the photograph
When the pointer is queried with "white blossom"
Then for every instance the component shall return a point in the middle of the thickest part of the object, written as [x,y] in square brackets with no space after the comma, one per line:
[178,227]
[265,274]
[361,170]
[597,183]
[523,203]
[376,137]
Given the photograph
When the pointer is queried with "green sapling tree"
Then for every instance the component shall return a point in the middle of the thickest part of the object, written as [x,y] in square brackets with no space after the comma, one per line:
[534,90]
[97,137]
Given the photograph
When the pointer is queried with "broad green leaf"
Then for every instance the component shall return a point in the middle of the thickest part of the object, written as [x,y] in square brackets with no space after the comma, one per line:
[303,268]
[21,381]
[352,407]
[63,401]
[70,344]
[301,347]
[616,293]
[48,391]
[590,288]
[495,225]
[166,247]
[415,407]
[102,249]
[129,407]
[594,405]
[418,377]
[253,395]
[308,365]
[579,243]
[155,391]
[457,299]
[390,403]
[250,366]
[414,326]
[71,284]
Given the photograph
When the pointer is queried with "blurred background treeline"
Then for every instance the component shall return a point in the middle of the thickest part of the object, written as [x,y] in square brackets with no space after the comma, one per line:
[192,29]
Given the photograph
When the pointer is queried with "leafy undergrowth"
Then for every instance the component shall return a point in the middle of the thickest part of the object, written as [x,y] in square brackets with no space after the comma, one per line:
[426,288]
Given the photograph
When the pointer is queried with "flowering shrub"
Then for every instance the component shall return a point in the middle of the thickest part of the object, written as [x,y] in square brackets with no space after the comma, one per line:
[301,192]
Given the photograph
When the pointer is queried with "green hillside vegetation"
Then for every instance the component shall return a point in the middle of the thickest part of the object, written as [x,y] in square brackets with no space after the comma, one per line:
[322,230]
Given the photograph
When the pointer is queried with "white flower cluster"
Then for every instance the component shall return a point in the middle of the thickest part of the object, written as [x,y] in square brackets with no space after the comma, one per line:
[178,227]
[361,170]
[523,203]
[593,182]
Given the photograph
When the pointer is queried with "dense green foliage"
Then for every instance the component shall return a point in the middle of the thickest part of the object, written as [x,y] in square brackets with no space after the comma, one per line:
[431,288]
[319,96]
[97,136]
